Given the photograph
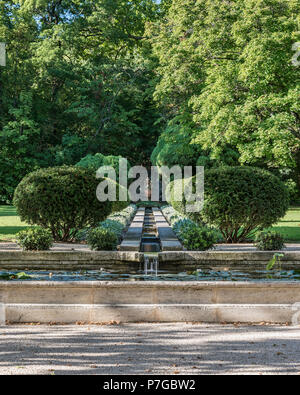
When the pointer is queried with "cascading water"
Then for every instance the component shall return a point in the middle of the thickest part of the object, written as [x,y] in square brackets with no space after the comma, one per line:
[151,265]
[150,244]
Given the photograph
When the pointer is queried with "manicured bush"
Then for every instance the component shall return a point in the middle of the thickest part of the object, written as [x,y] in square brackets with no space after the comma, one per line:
[118,205]
[240,200]
[116,222]
[35,239]
[102,239]
[269,241]
[176,219]
[94,162]
[62,199]
[195,238]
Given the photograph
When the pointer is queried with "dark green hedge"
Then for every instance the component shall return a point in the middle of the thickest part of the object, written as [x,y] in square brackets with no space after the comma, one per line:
[240,200]
[62,199]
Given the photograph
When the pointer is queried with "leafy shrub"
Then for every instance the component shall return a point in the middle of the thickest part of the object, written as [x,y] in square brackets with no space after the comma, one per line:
[6,276]
[173,216]
[183,224]
[269,241]
[62,199]
[71,150]
[177,221]
[192,236]
[35,239]
[196,238]
[240,200]
[293,191]
[102,239]
[94,162]
[114,226]
[117,223]
[175,146]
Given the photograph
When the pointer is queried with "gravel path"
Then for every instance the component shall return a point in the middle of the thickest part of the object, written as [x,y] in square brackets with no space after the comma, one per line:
[149,349]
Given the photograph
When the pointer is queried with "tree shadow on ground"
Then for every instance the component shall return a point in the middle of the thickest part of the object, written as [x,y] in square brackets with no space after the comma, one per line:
[290,233]
[9,232]
[145,349]
[7,211]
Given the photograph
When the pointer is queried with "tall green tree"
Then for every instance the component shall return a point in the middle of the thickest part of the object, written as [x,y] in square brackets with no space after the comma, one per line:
[79,80]
[228,65]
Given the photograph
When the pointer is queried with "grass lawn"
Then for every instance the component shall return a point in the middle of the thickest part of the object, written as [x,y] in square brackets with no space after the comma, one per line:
[289,227]
[10,223]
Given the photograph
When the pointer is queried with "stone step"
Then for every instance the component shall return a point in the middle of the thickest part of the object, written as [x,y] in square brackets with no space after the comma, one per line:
[130,245]
[156,292]
[70,314]
[166,234]
[171,245]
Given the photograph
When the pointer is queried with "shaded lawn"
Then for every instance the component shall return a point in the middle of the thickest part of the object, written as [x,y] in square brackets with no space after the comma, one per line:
[289,227]
[10,223]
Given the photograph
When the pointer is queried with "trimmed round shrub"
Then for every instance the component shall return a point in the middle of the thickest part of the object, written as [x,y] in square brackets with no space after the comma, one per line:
[269,241]
[35,239]
[116,222]
[102,239]
[62,199]
[239,201]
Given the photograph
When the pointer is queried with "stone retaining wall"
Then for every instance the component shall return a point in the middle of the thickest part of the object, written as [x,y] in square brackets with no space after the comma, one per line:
[100,302]
[74,260]
[71,260]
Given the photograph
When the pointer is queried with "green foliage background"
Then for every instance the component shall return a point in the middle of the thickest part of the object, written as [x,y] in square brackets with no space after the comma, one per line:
[79,80]
[207,82]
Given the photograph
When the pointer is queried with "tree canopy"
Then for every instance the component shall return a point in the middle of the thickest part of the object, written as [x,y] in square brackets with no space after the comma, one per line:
[181,82]
[226,69]
[79,80]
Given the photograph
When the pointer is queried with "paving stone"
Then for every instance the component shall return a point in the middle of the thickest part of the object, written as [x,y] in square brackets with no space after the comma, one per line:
[170,245]
[166,233]
[130,245]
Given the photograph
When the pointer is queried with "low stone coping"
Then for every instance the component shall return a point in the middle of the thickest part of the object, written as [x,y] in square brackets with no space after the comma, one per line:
[151,284]
[187,256]
[79,260]
[55,260]
[231,260]
[69,256]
